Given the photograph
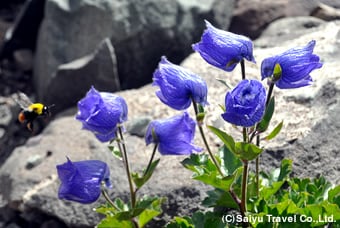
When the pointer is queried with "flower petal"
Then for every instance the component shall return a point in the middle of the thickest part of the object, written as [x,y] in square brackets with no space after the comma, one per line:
[224,49]
[81,181]
[178,86]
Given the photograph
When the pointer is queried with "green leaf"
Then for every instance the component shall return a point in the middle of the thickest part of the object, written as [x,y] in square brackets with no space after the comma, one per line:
[214,179]
[140,181]
[269,191]
[195,161]
[247,151]
[207,219]
[115,153]
[179,222]
[219,198]
[229,161]
[274,132]
[334,195]
[264,123]
[226,139]
[113,222]
[225,83]
[205,171]
[285,169]
[200,108]
[222,107]
[152,210]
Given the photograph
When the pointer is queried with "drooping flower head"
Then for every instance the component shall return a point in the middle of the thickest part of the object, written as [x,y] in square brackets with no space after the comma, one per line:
[178,86]
[100,112]
[174,135]
[245,104]
[81,181]
[294,67]
[224,49]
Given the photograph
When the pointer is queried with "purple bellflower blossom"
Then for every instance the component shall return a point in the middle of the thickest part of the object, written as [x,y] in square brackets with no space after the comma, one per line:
[100,112]
[224,49]
[174,135]
[296,65]
[81,181]
[178,87]
[245,104]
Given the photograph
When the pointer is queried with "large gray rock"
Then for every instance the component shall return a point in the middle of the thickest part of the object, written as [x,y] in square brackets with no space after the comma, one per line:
[288,28]
[141,31]
[309,137]
[72,80]
[29,180]
[251,17]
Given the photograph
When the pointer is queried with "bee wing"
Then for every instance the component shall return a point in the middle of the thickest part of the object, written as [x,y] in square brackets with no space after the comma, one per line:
[22,99]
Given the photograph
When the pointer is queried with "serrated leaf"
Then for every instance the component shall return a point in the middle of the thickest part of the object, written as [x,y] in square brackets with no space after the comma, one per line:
[196,160]
[269,191]
[229,161]
[264,123]
[214,179]
[219,198]
[140,181]
[285,169]
[274,132]
[334,193]
[226,139]
[152,210]
[247,151]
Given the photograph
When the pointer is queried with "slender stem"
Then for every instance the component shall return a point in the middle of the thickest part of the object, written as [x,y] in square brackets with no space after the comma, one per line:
[149,164]
[243,69]
[232,193]
[206,142]
[127,167]
[244,187]
[151,159]
[270,92]
[236,199]
[245,136]
[257,168]
[107,197]
[257,162]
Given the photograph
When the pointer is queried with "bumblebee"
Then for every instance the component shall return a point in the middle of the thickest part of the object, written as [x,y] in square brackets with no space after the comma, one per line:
[30,111]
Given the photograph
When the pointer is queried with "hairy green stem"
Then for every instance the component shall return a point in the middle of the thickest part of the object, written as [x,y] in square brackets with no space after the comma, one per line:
[244,187]
[232,193]
[107,197]
[257,161]
[206,142]
[151,159]
[127,168]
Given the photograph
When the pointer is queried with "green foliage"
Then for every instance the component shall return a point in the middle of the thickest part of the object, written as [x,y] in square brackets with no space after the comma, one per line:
[243,150]
[198,220]
[141,180]
[205,171]
[283,201]
[264,123]
[274,132]
[116,153]
[122,215]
